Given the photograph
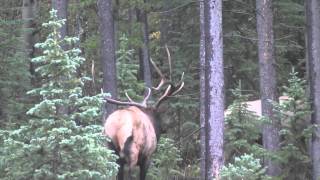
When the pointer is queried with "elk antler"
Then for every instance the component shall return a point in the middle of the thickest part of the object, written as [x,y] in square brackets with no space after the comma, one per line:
[143,104]
[172,89]
[169,60]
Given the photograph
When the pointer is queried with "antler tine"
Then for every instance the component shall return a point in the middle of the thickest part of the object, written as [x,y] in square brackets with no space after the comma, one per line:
[128,97]
[179,89]
[178,86]
[112,101]
[171,90]
[163,80]
[144,102]
[131,102]
[156,68]
[169,60]
[160,85]
[163,96]
[181,79]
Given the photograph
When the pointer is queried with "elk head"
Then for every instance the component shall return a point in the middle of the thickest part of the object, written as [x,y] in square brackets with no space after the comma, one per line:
[134,131]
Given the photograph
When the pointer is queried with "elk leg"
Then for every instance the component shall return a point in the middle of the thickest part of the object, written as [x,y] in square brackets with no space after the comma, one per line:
[121,164]
[120,161]
[144,165]
[130,175]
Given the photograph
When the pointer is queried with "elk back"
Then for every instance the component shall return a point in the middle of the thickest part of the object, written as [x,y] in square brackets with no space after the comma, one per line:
[132,133]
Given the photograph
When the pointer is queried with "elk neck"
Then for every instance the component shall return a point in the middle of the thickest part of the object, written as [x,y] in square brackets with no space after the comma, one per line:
[155,119]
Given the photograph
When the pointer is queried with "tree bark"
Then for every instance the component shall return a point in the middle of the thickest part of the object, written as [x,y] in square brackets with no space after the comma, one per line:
[62,12]
[28,14]
[202,93]
[29,10]
[268,87]
[308,73]
[78,30]
[131,12]
[144,60]
[165,22]
[62,7]
[313,55]
[116,24]
[106,30]
[214,85]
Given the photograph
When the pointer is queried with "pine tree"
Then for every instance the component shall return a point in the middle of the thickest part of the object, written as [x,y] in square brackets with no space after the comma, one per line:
[295,131]
[56,144]
[243,129]
[127,70]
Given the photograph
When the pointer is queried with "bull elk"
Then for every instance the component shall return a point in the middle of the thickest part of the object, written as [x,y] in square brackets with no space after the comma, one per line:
[135,130]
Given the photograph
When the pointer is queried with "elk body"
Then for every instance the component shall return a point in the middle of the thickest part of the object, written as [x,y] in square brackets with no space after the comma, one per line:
[255,109]
[255,106]
[135,130]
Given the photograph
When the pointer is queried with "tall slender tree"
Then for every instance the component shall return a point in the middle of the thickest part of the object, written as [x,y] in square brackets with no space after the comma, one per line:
[313,55]
[106,29]
[62,12]
[268,81]
[202,92]
[164,22]
[62,7]
[214,88]
[29,10]
[116,10]
[144,51]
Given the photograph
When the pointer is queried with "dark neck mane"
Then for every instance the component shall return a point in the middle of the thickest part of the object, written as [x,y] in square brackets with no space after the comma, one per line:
[154,118]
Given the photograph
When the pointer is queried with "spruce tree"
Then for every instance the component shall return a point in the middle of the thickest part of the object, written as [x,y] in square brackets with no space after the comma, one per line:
[61,140]
[127,71]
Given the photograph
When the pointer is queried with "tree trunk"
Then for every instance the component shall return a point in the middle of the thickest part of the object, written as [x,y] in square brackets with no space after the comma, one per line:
[62,12]
[308,73]
[214,86]
[268,81]
[202,93]
[165,22]
[28,14]
[78,28]
[131,12]
[106,30]
[116,24]
[29,10]
[313,52]
[62,7]
[144,61]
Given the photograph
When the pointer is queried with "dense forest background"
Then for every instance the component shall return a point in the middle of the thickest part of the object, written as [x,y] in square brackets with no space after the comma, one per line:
[34,97]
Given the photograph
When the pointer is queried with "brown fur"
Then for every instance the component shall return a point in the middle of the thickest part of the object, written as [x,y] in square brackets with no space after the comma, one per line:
[136,123]
[255,106]
[134,131]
